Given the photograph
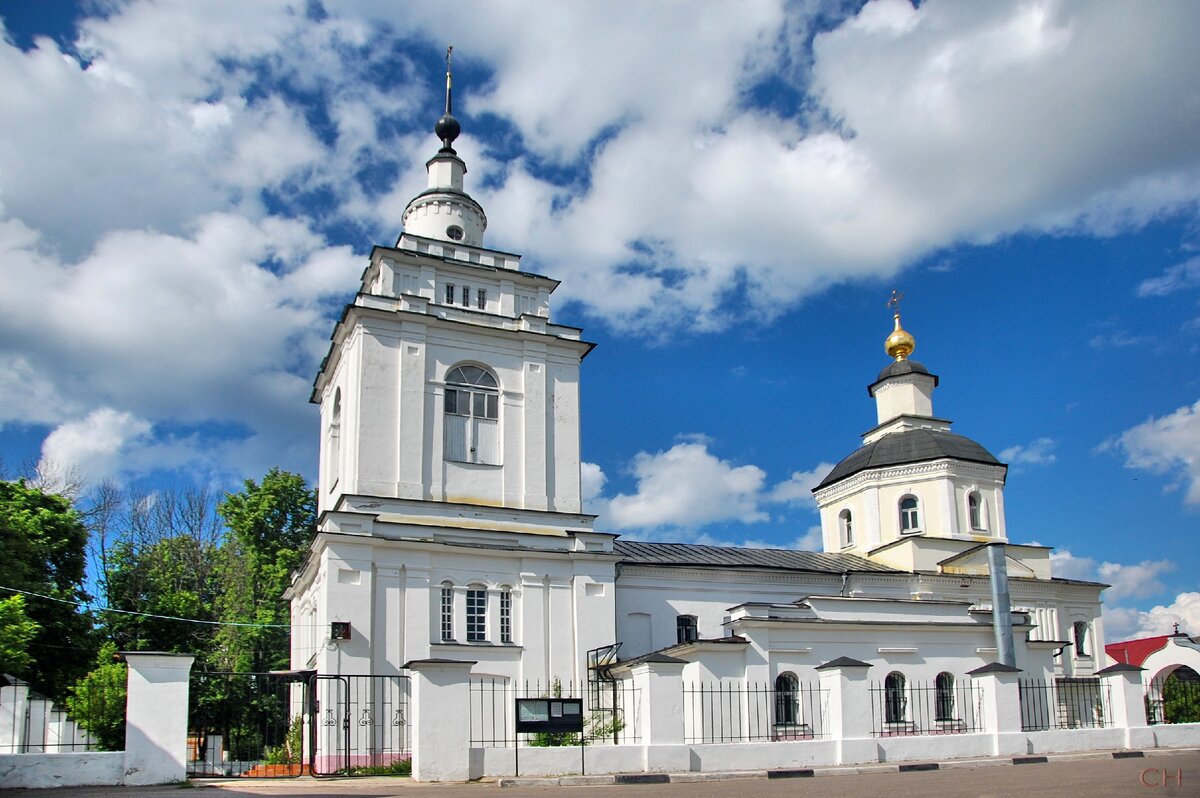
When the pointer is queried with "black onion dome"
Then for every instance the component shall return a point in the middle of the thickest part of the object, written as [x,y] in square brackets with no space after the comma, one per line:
[447,129]
[910,446]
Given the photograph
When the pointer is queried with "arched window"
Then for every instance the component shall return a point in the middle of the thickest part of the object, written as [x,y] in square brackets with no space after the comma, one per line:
[787,699]
[685,629]
[1080,629]
[975,514]
[846,528]
[910,515]
[471,417]
[335,438]
[476,614]
[944,694]
[447,610]
[506,615]
[895,701]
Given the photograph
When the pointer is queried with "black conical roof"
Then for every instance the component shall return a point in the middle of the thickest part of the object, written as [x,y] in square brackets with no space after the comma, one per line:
[910,446]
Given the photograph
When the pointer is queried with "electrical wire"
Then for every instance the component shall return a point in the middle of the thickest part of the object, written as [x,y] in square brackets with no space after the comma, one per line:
[147,614]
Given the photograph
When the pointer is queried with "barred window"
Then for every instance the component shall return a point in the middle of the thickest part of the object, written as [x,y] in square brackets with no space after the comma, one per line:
[505,616]
[944,692]
[447,611]
[476,614]
[449,293]
[466,297]
[481,298]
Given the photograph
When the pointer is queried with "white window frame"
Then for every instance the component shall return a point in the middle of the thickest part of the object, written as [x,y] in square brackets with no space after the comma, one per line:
[910,517]
[477,614]
[976,512]
[447,611]
[506,635]
[471,416]
[846,528]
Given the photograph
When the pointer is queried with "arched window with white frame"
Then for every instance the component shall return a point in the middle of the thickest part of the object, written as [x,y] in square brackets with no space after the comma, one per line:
[943,687]
[846,528]
[976,512]
[910,515]
[895,698]
[335,438]
[787,699]
[472,413]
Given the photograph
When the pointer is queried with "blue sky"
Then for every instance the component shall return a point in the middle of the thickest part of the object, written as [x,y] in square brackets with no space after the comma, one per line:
[729,193]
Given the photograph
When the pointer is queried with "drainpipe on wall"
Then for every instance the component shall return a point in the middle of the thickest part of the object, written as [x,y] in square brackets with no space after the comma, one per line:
[1001,605]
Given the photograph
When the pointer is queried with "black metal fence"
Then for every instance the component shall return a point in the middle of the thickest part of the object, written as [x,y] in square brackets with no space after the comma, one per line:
[738,711]
[1174,698]
[611,712]
[948,706]
[243,724]
[92,719]
[1064,704]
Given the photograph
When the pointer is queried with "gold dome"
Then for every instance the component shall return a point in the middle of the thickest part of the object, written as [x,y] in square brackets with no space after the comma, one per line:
[900,344]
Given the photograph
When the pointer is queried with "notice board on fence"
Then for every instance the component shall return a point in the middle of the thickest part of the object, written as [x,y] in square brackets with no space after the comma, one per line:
[553,715]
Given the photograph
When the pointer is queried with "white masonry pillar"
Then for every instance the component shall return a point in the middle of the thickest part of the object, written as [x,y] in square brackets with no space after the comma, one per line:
[1127,703]
[441,718]
[659,681]
[156,717]
[844,680]
[1000,690]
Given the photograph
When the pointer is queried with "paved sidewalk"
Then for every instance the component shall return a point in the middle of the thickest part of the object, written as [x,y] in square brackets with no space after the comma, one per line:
[1115,774]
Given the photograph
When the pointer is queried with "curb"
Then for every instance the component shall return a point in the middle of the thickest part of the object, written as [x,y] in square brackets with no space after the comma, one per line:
[844,770]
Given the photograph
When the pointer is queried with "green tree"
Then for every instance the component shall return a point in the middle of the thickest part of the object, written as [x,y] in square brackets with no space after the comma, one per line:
[271,525]
[17,631]
[97,701]
[1181,697]
[43,539]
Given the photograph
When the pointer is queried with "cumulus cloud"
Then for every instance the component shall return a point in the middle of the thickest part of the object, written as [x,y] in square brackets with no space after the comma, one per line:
[687,486]
[797,489]
[1039,452]
[592,481]
[1124,624]
[1166,445]
[93,444]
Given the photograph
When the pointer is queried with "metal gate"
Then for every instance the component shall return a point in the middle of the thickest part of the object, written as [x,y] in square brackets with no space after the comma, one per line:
[273,725]
[246,724]
[360,725]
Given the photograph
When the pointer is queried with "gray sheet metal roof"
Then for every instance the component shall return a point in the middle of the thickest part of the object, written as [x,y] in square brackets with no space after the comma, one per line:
[688,554]
[899,367]
[910,446]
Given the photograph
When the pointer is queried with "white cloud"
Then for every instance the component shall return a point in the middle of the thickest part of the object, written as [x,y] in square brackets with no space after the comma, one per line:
[1065,565]
[592,480]
[92,445]
[686,486]
[797,489]
[1166,445]
[1137,580]
[177,330]
[1122,624]
[1176,278]
[1039,452]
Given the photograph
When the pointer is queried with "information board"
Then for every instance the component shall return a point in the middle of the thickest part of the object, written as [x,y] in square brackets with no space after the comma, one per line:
[552,715]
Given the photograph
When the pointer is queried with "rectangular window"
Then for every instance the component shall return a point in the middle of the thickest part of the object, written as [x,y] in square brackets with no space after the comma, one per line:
[505,616]
[447,612]
[476,615]
[685,629]
[466,297]
[449,293]
[481,298]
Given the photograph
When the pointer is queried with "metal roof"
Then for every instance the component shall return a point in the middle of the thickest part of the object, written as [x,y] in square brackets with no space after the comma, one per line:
[687,554]
[910,446]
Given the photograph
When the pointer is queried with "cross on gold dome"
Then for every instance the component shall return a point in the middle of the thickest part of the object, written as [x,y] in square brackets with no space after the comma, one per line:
[900,344]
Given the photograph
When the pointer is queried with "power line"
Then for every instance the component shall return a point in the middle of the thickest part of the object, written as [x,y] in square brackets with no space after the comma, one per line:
[147,614]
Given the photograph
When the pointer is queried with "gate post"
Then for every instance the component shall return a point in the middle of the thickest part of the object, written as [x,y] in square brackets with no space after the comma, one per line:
[441,719]
[844,680]
[156,717]
[1000,689]
[1127,702]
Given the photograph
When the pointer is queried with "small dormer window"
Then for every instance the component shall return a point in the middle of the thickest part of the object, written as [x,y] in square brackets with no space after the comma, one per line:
[910,515]
[454,233]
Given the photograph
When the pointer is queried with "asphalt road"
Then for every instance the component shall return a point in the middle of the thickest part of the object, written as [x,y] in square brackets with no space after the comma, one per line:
[1176,774]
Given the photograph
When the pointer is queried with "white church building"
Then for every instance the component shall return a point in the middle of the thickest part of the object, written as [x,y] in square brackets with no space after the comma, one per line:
[452,528]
